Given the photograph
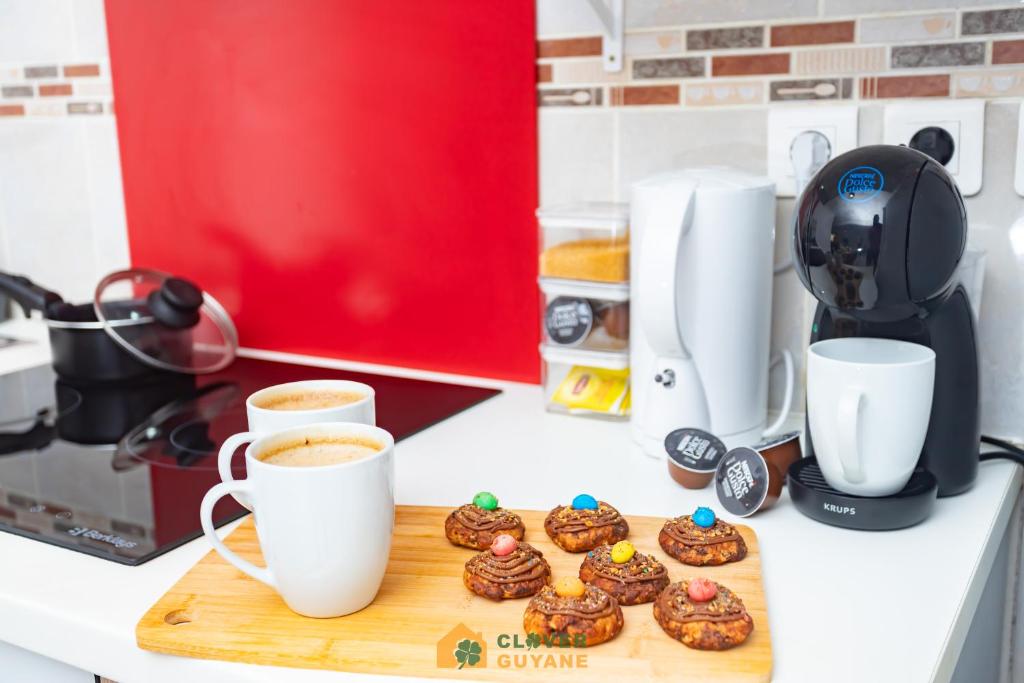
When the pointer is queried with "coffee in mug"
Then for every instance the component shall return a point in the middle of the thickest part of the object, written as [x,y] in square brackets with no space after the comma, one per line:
[334,493]
[309,399]
[321,452]
[298,403]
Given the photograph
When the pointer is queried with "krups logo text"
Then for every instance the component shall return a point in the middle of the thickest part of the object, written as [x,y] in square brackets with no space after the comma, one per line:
[840,509]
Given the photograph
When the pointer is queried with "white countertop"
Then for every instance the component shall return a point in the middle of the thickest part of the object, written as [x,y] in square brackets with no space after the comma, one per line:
[830,591]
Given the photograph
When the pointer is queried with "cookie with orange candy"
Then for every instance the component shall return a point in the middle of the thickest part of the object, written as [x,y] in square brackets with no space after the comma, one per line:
[571,607]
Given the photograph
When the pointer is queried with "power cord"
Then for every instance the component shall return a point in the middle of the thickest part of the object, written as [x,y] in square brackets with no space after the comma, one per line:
[1010,451]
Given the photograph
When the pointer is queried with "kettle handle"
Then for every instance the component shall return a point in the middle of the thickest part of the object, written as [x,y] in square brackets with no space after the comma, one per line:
[658,271]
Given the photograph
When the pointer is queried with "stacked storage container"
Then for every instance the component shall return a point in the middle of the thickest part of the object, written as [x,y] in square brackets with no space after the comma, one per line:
[584,280]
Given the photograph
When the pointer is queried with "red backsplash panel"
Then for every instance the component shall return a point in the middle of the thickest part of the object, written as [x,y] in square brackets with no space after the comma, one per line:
[351,179]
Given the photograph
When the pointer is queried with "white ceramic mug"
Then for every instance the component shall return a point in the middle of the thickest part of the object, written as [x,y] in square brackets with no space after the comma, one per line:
[325,531]
[868,405]
[266,420]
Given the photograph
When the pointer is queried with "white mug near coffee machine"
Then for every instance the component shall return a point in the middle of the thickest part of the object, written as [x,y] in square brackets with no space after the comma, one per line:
[312,517]
[298,403]
[868,407]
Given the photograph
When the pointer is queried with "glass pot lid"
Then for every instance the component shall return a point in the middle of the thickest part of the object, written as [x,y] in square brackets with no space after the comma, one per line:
[165,322]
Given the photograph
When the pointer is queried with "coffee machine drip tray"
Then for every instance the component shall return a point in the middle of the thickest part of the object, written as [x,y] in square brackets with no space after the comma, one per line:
[812,496]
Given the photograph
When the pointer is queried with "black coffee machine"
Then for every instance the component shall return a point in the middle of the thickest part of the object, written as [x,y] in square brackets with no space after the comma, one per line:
[877,237]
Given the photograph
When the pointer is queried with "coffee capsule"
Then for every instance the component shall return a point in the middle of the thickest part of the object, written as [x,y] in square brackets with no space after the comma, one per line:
[782,450]
[746,482]
[693,455]
[568,320]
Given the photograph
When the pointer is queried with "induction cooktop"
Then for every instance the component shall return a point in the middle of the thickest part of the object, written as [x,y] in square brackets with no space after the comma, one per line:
[118,471]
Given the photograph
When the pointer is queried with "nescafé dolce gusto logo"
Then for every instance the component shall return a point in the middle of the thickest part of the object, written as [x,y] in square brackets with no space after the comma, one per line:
[860,184]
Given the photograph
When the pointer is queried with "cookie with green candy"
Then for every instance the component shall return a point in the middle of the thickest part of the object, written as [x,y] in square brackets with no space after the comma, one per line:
[475,525]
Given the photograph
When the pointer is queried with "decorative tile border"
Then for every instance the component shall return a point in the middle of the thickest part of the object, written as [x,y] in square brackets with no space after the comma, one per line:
[725,38]
[782,56]
[789,35]
[46,90]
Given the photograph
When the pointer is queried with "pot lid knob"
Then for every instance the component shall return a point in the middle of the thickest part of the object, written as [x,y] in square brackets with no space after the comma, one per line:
[176,303]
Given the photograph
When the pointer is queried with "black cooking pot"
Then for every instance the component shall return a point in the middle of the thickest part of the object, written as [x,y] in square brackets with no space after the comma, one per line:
[132,339]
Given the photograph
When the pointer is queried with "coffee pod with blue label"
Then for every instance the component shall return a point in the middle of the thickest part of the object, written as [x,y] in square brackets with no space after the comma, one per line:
[693,455]
[746,483]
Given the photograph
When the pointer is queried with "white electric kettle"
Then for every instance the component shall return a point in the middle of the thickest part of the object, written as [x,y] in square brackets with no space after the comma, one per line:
[702,244]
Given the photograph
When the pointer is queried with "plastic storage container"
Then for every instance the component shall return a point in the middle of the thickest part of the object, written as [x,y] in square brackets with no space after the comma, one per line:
[586,382]
[584,280]
[585,241]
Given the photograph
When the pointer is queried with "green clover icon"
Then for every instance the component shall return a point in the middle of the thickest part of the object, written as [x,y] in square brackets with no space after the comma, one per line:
[532,640]
[468,652]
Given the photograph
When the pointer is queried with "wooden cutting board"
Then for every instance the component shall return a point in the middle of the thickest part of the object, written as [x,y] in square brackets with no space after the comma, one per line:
[423,612]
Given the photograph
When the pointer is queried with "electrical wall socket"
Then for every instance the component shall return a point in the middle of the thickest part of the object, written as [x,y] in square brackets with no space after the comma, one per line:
[964,120]
[838,123]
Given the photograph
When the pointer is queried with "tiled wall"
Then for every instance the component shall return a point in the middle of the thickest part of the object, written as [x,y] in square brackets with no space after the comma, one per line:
[55,89]
[695,54]
[600,132]
[62,218]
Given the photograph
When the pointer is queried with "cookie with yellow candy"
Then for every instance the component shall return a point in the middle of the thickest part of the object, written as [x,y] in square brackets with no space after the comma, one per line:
[580,611]
[476,525]
[630,576]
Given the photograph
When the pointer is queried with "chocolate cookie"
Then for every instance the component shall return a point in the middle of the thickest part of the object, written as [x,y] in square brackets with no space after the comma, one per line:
[511,569]
[585,524]
[630,577]
[701,539]
[592,615]
[475,524]
[703,615]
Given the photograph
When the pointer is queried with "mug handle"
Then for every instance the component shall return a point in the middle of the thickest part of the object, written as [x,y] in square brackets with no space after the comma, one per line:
[848,425]
[227,450]
[236,487]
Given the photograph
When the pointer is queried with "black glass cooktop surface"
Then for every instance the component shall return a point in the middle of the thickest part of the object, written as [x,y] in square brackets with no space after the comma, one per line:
[119,471]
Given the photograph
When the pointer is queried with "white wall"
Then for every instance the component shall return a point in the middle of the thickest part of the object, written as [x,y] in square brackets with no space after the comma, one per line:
[62,220]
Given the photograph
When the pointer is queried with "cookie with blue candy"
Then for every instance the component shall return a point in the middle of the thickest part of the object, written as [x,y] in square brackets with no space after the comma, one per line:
[585,524]
[702,539]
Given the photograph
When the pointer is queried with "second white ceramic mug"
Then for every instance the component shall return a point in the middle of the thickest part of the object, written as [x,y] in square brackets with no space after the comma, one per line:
[267,420]
[325,531]
[868,406]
